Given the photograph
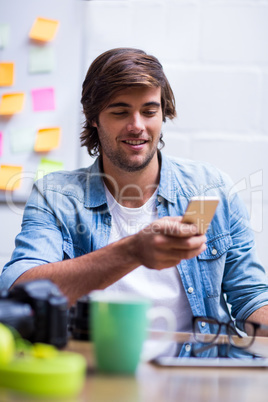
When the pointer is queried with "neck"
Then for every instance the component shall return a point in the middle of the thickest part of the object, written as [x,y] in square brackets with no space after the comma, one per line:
[133,189]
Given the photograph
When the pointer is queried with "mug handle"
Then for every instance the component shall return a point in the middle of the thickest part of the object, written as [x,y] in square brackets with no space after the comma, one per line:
[169,316]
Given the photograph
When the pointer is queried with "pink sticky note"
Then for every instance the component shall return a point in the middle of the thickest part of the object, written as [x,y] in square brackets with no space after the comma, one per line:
[1,144]
[43,99]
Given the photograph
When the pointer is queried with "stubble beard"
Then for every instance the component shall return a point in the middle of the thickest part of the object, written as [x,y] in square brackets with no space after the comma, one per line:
[126,165]
[120,160]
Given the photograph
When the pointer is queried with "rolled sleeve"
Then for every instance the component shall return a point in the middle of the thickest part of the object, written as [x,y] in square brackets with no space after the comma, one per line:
[39,242]
[253,305]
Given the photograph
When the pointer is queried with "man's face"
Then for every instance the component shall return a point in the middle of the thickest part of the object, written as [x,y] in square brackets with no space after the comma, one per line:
[129,129]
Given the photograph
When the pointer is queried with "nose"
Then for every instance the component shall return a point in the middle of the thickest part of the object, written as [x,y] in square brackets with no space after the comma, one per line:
[135,124]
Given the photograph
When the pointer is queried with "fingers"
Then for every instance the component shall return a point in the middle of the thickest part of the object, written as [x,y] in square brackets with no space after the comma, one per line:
[166,242]
[172,226]
[180,243]
[160,259]
[189,253]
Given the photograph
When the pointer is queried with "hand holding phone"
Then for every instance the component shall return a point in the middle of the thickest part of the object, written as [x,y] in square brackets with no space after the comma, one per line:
[200,212]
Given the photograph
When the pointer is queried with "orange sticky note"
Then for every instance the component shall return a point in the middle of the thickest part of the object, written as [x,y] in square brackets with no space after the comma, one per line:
[47,139]
[10,177]
[44,29]
[12,103]
[6,74]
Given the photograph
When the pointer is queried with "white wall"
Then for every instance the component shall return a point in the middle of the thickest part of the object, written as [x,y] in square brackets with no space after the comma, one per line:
[215,55]
[65,78]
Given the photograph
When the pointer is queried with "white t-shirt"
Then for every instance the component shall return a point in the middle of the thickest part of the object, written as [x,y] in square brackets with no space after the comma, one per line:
[162,287]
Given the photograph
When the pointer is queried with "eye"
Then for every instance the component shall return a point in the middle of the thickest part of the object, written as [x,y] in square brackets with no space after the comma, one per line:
[150,112]
[122,113]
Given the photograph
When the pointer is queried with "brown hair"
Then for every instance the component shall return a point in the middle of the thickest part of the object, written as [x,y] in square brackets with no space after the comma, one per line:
[112,71]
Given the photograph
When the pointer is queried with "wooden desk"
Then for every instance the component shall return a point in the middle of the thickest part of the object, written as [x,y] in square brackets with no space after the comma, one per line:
[154,384]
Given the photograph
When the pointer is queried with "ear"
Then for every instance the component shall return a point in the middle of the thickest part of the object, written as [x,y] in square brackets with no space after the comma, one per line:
[94,123]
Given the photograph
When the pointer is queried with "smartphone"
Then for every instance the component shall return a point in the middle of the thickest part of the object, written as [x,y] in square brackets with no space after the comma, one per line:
[200,212]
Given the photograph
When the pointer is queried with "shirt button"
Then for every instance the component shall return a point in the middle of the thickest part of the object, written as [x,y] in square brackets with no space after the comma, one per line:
[187,347]
[203,324]
[190,290]
[159,198]
[214,251]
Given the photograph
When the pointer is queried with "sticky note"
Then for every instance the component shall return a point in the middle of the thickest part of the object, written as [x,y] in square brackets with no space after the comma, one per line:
[22,139]
[4,35]
[44,29]
[41,59]
[1,144]
[6,74]
[11,103]
[47,166]
[47,139]
[43,99]
[10,177]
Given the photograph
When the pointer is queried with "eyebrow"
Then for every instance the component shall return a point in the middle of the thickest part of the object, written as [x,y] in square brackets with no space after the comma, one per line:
[123,104]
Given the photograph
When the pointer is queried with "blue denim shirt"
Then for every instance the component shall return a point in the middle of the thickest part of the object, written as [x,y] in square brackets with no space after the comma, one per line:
[67,216]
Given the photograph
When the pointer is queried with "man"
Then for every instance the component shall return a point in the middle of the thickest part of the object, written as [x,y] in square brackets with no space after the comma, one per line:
[117,224]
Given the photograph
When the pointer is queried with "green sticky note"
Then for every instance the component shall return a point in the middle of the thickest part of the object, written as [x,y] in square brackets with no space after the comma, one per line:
[47,166]
[4,35]
[22,140]
[41,59]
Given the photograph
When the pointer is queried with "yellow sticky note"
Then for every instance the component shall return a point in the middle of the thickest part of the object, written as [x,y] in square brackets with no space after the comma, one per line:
[12,103]
[44,29]
[47,139]
[10,177]
[6,74]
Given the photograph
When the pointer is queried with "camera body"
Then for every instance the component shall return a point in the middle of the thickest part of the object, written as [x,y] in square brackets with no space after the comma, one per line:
[37,310]
[79,319]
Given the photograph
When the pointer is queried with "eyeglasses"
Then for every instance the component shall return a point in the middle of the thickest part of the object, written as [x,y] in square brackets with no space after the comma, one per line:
[238,338]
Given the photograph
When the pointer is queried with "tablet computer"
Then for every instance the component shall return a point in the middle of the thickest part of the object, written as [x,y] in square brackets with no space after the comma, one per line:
[213,355]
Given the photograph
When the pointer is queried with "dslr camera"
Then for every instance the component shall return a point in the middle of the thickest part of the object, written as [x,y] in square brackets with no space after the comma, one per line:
[37,310]
[79,319]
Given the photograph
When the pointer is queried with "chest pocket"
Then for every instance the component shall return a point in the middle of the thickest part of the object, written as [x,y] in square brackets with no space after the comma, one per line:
[212,262]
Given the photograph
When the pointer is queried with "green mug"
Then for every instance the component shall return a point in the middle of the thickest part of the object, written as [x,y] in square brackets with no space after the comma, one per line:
[119,324]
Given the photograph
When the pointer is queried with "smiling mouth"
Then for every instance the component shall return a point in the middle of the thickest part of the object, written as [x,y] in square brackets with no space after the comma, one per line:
[135,142]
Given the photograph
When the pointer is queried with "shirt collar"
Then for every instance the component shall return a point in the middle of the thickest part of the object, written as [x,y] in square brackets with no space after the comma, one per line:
[167,188]
[97,196]
[96,190]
